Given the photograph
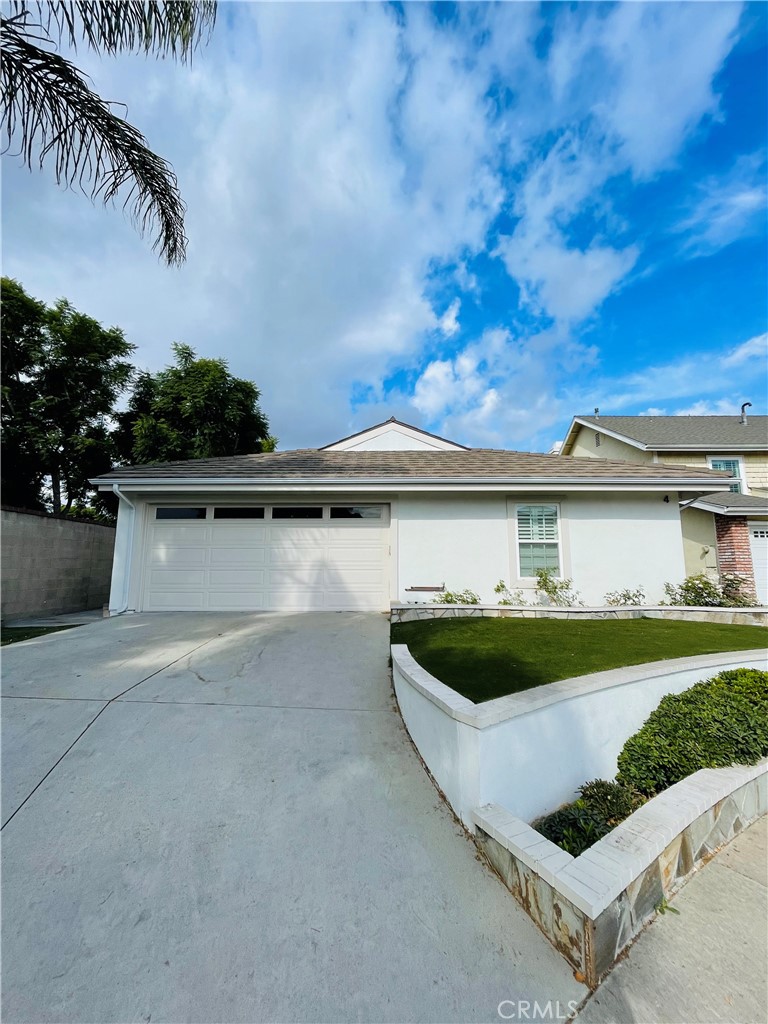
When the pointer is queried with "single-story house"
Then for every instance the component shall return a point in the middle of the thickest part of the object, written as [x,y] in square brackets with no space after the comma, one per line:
[385,515]
[722,532]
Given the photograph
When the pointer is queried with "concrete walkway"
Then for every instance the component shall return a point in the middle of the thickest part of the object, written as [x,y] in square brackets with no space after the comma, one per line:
[709,963]
[220,818]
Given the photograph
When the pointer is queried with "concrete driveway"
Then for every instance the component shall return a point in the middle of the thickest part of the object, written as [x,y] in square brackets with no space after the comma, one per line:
[221,818]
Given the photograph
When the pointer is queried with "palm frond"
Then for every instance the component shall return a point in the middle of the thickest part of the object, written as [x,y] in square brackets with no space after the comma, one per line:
[48,105]
[173,28]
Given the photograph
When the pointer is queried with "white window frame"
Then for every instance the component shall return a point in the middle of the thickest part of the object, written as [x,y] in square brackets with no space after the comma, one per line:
[560,555]
[742,477]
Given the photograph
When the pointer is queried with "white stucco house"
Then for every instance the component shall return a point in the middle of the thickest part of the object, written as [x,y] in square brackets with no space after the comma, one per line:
[385,515]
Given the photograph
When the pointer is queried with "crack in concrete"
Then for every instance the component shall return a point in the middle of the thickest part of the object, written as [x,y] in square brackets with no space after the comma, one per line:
[95,717]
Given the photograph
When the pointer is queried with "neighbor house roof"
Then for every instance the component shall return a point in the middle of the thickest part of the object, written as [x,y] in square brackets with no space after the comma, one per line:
[678,433]
[730,503]
[388,467]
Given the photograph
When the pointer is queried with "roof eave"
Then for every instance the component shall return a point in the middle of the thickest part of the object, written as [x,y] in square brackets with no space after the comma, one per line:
[391,482]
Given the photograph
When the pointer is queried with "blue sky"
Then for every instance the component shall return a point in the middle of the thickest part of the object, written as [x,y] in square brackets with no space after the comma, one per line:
[480,218]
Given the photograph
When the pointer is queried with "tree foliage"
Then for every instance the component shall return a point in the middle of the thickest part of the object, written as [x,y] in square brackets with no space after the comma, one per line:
[52,113]
[63,375]
[194,409]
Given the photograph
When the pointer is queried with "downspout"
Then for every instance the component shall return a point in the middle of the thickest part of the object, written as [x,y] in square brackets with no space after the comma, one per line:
[129,555]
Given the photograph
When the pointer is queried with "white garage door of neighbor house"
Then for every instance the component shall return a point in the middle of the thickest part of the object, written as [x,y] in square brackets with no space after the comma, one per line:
[758,541]
[279,557]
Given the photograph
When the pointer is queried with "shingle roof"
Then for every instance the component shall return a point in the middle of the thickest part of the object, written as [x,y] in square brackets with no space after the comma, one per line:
[477,463]
[730,499]
[713,432]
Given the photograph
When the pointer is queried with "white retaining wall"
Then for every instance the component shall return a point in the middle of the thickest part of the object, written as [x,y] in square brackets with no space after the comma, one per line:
[530,751]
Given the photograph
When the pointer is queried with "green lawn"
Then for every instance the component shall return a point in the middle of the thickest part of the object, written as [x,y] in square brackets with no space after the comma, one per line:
[487,658]
[15,634]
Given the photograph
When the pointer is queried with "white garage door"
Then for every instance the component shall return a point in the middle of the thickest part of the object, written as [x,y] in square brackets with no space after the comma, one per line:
[293,557]
[758,541]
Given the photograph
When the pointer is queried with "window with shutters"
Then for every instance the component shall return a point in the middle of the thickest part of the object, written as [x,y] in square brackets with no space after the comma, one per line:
[733,466]
[538,539]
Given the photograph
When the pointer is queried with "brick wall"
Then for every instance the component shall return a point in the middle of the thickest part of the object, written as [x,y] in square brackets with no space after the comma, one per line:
[733,551]
[52,565]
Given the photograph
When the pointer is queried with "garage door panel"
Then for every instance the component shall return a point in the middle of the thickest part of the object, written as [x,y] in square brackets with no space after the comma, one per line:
[244,534]
[349,576]
[758,542]
[177,556]
[162,579]
[174,533]
[244,555]
[176,601]
[282,580]
[297,600]
[238,600]
[345,600]
[372,552]
[221,578]
[288,536]
[292,564]
[306,558]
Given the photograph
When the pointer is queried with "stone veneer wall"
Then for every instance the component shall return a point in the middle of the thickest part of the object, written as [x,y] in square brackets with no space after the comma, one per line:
[734,553]
[757,616]
[591,907]
[53,564]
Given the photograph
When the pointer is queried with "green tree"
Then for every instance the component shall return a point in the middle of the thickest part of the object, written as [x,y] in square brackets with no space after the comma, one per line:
[194,409]
[67,373]
[50,111]
[22,346]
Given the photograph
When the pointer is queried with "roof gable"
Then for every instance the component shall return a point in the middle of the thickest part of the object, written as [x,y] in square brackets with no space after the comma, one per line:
[716,434]
[393,436]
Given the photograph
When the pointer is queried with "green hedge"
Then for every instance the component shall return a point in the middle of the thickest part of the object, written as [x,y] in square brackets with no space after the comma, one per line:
[718,722]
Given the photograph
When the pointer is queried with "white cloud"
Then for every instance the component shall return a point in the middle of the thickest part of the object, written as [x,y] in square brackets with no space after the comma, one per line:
[727,208]
[630,86]
[332,156]
[449,321]
[755,348]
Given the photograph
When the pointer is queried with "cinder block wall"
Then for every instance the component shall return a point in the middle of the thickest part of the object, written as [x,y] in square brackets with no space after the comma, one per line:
[51,565]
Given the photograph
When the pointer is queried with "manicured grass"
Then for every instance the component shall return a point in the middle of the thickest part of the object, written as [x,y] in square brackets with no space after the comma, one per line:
[487,658]
[15,634]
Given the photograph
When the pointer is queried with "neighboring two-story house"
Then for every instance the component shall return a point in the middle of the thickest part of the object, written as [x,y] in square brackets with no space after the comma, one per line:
[726,531]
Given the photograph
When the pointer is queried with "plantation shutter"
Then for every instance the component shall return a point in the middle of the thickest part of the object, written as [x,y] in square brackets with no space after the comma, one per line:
[538,539]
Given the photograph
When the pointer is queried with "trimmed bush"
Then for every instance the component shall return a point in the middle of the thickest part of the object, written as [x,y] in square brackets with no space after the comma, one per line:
[718,722]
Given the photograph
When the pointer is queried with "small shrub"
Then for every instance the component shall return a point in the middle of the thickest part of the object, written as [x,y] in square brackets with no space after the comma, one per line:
[600,807]
[718,722]
[612,801]
[458,597]
[625,598]
[700,590]
[558,592]
[737,590]
[507,596]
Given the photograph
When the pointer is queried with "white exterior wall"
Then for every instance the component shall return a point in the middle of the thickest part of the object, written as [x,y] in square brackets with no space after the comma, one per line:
[618,541]
[462,541]
[609,542]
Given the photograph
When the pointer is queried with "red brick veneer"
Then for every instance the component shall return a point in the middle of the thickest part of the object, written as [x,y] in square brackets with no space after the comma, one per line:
[733,551]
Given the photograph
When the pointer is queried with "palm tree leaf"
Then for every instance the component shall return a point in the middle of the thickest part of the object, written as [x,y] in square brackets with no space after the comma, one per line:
[171,28]
[48,104]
